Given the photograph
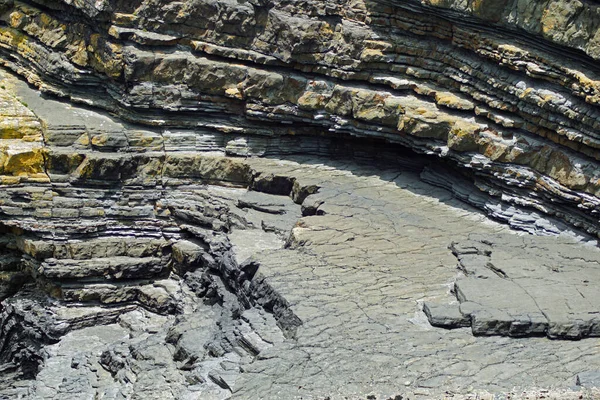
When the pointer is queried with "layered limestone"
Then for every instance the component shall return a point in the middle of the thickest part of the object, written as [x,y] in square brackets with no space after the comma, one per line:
[506,90]
[180,273]
[267,199]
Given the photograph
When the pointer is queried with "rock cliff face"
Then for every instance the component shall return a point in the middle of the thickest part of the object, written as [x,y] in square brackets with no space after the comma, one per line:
[506,90]
[266,207]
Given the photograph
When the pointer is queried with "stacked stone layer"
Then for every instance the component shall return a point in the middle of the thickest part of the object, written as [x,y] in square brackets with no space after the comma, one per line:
[137,230]
[506,90]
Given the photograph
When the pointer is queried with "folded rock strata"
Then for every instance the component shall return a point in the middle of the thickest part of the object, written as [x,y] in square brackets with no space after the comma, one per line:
[186,273]
[207,240]
[506,90]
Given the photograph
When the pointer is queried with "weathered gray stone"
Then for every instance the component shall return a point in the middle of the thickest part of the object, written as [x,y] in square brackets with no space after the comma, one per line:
[446,316]
[520,286]
[146,237]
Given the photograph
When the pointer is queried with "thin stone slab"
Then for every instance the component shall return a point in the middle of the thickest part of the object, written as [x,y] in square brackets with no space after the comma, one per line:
[528,286]
[446,316]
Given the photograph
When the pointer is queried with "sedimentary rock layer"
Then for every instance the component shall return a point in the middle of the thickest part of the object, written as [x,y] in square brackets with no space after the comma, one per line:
[506,90]
[209,239]
[178,273]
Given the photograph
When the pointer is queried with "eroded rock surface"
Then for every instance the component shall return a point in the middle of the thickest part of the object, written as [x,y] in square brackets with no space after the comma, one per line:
[505,90]
[186,274]
[267,210]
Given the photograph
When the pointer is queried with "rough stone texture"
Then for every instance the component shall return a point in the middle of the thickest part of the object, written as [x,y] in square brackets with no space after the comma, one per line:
[198,275]
[517,286]
[357,274]
[152,254]
[506,90]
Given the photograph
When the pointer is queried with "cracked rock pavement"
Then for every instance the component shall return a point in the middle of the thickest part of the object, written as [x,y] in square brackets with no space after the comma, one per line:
[357,273]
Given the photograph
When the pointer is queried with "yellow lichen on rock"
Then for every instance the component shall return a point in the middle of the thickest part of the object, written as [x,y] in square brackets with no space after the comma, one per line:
[105,56]
[451,100]
[312,101]
[424,128]
[16,120]
[371,106]
[22,161]
[464,136]
[372,55]
[27,129]
[22,156]
[234,93]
